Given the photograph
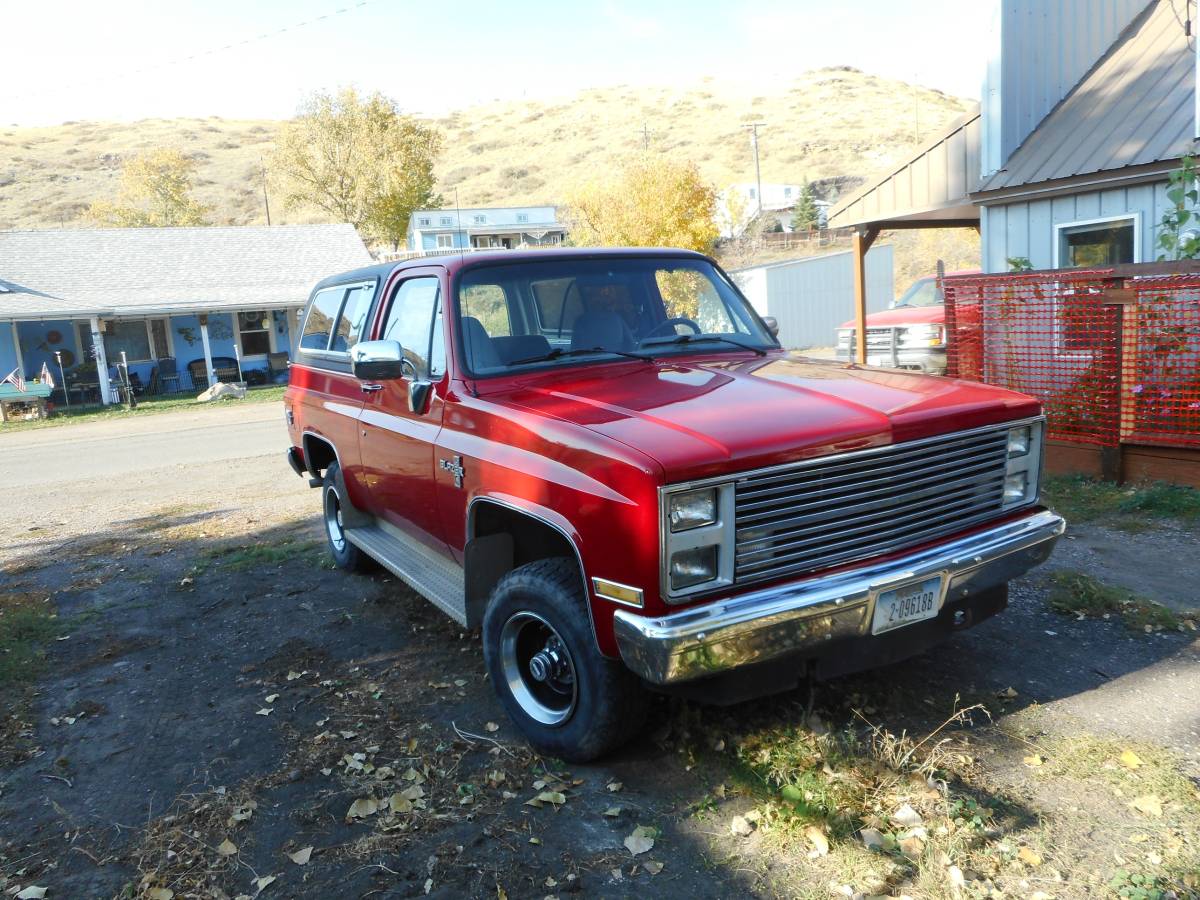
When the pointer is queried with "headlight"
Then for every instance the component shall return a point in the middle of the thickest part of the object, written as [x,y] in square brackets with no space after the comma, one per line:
[1019,441]
[693,509]
[923,336]
[1015,487]
[692,567]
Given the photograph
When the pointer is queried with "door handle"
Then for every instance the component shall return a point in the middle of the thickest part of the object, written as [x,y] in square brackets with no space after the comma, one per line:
[370,388]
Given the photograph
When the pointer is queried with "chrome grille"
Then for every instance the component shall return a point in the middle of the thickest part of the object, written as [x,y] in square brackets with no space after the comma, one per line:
[822,513]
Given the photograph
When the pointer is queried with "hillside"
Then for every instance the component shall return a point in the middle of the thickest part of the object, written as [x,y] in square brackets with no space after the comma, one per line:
[830,122]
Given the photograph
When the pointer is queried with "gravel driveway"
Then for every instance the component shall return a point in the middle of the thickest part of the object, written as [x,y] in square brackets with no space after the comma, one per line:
[211,658]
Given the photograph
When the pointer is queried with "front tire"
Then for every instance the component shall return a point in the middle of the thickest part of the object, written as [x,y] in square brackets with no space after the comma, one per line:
[333,504]
[569,700]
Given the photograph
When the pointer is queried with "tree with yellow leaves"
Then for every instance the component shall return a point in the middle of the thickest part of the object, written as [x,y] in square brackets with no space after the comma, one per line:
[156,191]
[360,160]
[650,201]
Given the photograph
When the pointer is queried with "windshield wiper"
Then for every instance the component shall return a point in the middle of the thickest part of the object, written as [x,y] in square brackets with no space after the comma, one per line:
[559,353]
[692,338]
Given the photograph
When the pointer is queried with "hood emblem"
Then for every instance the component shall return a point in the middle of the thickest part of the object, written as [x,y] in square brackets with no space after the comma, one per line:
[455,467]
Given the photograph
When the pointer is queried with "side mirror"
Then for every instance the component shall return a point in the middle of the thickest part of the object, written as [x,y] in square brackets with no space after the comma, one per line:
[772,324]
[377,361]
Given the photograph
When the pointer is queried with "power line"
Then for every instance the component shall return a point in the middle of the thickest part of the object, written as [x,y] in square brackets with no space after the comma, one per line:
[203,54]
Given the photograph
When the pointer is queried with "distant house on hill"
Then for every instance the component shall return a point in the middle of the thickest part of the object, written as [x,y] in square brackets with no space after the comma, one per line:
[508,227]
[738,206]
[182,303]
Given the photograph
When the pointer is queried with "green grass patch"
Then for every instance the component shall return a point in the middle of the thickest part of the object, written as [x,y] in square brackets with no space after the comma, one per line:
[1074,593]
[149,406]
[27,622]
[1088,500]
[240,558]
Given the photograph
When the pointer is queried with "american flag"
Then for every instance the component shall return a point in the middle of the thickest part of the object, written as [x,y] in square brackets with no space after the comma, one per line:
[46,377]
[16,379]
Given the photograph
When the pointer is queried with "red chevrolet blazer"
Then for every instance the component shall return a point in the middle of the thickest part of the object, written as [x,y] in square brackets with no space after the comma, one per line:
[606,461]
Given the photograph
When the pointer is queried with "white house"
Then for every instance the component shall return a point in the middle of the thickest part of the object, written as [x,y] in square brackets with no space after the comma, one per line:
[508,227]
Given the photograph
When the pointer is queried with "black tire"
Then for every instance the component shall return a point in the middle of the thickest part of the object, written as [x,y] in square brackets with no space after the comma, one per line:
[535,605]
[333,500]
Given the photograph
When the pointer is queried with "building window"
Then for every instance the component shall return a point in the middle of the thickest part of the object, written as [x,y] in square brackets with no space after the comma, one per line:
[480,220]
[423,221]
[446,220]
[128,337]
[1106,242]
[753,193]
[522,217]
[254,333]
[445,241]
[159,343]
[787,192]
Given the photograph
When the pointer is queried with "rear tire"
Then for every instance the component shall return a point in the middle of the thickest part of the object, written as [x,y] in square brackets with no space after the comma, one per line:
[569,700]
[333,502]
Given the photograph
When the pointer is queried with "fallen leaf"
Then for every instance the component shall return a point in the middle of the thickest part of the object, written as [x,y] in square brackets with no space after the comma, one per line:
[226,848]
[817,838]
[186,582]
[535,840]
[652,866]
[242,813]
[906,816]
[271,698]
[159,894]
[292,676]
[1009,693]
[398,803]
[265,711]
[491,726]
[912,847]
[33,892]
[640,841]
[413,793]
[615,786]
[1033,761]
[872,838]
[363,807]
[264,882]
[348,735]
[429,881]
[741,826]
[1131,759]
[1029,857]
[1149,805]
[552,797]
[613,811]
[301,857]
[460,682]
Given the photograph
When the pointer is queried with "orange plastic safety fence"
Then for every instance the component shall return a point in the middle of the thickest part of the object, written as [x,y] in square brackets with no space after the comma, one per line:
[1055,338]
[1165,389]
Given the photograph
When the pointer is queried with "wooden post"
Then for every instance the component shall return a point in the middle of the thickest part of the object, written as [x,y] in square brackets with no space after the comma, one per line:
[106,393]
[212,376]
[864,237]
[17,348]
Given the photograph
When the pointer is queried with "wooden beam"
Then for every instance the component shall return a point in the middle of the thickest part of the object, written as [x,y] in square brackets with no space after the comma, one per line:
[862,241]
[208,363]
[106,391]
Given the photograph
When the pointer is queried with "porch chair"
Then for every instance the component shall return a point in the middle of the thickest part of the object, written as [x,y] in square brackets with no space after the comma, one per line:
[168,374]
[277,367]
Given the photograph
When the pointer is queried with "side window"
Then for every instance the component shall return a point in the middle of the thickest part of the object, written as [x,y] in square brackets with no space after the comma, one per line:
[353,320]
[319,322]
[411,321]
[558,305]
[488,304]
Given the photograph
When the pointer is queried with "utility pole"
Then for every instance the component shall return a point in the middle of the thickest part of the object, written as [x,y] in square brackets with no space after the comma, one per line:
[267,203]
[754,126]
[645,136]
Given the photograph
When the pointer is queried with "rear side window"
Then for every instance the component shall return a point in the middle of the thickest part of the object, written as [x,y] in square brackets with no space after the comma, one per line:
[488,304]
[321,314]
[558,304]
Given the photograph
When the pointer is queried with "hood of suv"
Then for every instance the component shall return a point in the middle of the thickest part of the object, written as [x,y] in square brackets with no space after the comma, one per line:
[904,315]
[699,418]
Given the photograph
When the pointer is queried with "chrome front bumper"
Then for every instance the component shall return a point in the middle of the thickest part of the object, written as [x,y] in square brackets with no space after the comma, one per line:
[931,360]
[803,616]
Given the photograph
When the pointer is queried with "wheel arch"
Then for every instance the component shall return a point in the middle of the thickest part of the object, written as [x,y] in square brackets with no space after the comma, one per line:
[501,536]
[319,453]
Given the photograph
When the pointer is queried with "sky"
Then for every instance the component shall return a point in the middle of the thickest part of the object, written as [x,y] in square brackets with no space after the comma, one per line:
[131,59]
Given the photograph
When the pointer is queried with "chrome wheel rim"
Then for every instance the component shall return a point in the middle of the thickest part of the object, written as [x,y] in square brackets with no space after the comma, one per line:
[333,520]
[538,668]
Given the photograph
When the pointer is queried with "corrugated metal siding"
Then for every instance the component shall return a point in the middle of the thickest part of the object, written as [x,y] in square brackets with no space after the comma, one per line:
[1028,228]
[1048,46]
[935,183]
[812,297]
[1135,107]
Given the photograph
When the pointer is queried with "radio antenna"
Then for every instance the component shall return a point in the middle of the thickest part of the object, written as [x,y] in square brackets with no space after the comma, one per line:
[458,219]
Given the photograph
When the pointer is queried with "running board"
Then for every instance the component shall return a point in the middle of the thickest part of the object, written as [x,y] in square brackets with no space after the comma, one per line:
[435,577]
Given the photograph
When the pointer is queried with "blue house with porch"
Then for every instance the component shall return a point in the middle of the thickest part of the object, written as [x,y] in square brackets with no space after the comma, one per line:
[484,228]
[179,302]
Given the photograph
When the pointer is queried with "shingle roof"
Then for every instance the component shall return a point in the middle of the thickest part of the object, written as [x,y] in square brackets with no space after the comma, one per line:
[1134,107]
[131,271]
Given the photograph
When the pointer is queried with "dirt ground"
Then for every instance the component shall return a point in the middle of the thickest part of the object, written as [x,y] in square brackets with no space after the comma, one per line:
[219,700]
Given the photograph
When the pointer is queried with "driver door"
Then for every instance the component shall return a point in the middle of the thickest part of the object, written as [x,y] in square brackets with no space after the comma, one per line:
[401,418]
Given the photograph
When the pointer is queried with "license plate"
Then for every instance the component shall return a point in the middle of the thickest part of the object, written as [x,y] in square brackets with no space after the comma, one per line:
[904,605]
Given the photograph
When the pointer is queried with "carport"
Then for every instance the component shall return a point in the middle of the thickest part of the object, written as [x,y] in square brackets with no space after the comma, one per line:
[931,190]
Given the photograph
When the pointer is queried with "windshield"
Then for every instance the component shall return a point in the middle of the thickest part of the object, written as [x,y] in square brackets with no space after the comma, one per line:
[569,311]
[924,292]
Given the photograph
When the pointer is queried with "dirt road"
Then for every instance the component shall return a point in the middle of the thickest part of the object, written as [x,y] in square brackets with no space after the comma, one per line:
[215,680]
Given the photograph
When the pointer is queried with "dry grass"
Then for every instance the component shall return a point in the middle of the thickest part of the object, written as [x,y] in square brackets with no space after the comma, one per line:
[825,123]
